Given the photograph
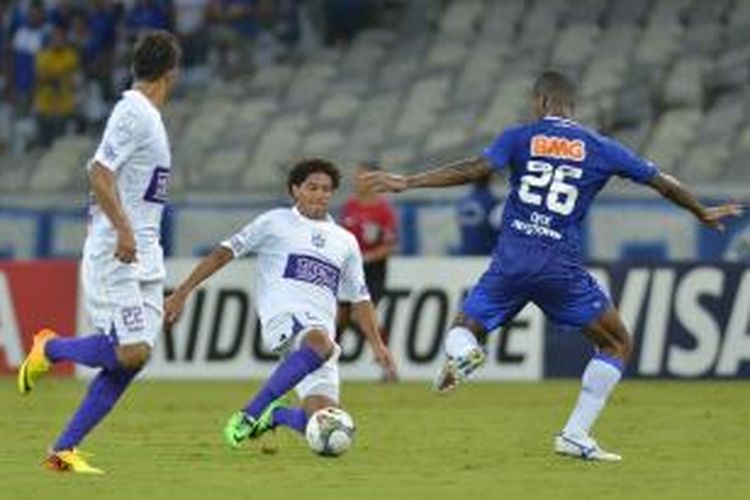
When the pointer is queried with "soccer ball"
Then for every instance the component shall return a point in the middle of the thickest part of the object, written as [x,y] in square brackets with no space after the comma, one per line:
[330,431]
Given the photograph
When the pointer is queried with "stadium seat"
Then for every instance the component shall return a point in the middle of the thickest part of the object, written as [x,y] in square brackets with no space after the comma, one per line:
[711,13]
[672,133]
[321,143]
[703,39]
[660,41]
[507,106]
[603,75]
[396,156]
[338,107]
[501,20]
[627,12]
[723,119]
[62,167]
[460,18]
[445,138]
[705,162]
[426,97]
[731,71]
[684,83]
[586,12]
[446,54]
[574,45]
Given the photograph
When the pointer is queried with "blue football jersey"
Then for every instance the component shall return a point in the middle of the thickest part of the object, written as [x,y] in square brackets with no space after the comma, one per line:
[556,169]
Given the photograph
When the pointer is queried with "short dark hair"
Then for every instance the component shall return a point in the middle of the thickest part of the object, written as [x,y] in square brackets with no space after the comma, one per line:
[156,52]
[556,88]
[303,169]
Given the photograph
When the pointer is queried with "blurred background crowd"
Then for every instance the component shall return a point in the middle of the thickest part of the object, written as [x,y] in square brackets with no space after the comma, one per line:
[65,61]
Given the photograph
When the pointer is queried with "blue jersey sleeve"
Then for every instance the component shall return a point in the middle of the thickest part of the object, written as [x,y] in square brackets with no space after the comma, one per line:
[625,163]
[499,153]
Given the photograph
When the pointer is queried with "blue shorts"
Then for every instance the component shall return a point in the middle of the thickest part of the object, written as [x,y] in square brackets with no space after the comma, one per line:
[558,284]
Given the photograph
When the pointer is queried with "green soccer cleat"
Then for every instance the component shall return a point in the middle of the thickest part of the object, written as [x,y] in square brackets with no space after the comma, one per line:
[241,426]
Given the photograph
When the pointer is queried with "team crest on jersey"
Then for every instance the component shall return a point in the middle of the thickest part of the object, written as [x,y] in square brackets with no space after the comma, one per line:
[318,240]
[158,187]
[561,148]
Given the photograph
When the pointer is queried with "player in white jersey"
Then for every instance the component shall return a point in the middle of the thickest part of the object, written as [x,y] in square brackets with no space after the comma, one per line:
[122,269]
[306,264]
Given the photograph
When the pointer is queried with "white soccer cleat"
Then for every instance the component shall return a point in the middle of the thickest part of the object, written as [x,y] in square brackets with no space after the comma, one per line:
[455,370]
[583,447]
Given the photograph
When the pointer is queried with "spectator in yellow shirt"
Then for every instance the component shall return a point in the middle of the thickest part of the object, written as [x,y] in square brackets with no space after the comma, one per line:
[57,72]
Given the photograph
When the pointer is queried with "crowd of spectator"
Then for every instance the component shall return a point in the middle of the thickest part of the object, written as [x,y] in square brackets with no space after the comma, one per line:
[65,61]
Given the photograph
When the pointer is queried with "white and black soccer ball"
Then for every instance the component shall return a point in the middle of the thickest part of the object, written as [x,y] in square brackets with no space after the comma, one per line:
[330,431]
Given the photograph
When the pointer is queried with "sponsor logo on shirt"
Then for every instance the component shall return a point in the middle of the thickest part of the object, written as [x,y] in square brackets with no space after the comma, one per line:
[158,186]
[312,270]
[558,147]
[539,225]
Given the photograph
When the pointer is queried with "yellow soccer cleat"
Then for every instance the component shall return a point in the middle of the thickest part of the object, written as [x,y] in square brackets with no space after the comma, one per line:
[36,363]
[69,461]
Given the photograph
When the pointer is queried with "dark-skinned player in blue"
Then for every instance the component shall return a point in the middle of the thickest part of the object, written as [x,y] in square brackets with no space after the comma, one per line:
[556,168]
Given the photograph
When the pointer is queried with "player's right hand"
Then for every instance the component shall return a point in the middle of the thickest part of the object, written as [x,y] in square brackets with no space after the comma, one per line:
[173,306]
[712,216]
[382,182]
[125,249]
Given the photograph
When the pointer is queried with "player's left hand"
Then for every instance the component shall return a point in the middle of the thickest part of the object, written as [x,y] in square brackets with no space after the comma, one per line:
[385,359]
[173,306]
[713,216]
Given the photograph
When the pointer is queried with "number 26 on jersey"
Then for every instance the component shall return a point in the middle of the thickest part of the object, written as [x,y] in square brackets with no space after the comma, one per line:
[560,196]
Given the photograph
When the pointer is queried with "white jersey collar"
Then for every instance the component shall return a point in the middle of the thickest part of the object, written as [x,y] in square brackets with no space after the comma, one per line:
[140,96]
[295,211]
[558,118]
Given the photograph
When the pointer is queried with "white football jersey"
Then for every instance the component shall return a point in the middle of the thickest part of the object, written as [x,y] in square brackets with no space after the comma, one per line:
[304,265]
[136,148]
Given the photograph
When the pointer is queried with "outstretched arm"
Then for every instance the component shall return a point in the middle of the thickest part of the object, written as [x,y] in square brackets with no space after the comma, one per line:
[457,173]
[673,190]
[211,263]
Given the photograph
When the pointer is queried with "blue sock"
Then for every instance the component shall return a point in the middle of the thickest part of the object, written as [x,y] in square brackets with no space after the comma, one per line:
[104,391]
[288,374]
[96,351]
[294,418]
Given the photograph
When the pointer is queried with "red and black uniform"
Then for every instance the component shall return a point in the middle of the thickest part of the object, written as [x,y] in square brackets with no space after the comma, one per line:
[373,224]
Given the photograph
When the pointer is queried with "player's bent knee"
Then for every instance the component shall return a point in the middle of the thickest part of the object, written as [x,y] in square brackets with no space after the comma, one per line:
[133,357]
[320,342]
[311,404]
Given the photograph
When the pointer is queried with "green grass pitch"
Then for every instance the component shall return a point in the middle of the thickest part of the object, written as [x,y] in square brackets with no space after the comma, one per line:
[680,440]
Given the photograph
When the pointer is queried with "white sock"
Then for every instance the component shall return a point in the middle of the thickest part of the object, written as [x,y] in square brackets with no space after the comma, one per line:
[459,342]
[599,378]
